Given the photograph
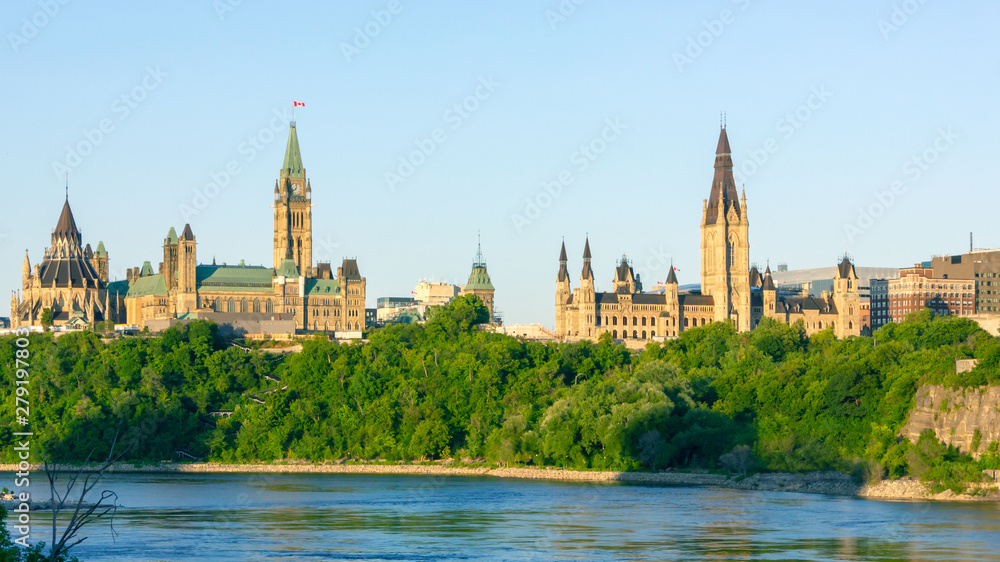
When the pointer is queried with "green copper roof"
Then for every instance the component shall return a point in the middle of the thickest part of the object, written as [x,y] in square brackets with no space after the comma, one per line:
[100,250]
[151,285]
[237,278]
[288,268]
[320,287]
[479,279]
[172,236]
[292,168]
[118,287]
[147,269]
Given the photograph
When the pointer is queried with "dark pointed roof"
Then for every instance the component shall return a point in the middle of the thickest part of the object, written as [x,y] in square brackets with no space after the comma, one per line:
[349,269]
[587,272]
[187,234]
[292,167]
[723,192]
[755,280]
[768,281]
[672,277]
[845,269]
[563,274]
[723,146]
[66,224]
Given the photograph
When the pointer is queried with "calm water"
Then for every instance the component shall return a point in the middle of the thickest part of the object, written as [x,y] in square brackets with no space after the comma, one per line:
[348,517]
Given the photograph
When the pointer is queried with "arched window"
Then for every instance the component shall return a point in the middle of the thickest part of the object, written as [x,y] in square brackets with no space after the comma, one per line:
[635,335]
[652,334]
[217,305]
[326,326]
[850,325]
[256,306]
[231,306]
[643,320]
[644,334]
[652,321]
[243,305]
[614,334]
[614,321]
[268,307]
[685,322]
[635,321]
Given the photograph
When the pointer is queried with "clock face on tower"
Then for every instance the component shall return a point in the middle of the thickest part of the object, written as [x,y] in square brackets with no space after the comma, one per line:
[296,189]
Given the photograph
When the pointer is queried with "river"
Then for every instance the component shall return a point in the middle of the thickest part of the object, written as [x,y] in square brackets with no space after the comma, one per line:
[246,517]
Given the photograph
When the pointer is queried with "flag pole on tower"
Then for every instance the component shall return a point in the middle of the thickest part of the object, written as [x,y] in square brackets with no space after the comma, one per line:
[294,105]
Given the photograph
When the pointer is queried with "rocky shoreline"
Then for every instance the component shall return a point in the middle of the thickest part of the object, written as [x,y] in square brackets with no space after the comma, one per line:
[826,483]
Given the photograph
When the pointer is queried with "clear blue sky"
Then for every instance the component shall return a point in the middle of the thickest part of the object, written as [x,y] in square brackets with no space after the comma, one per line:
[888,94]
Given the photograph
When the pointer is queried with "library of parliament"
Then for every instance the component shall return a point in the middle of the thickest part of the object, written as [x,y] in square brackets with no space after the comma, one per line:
[71,283]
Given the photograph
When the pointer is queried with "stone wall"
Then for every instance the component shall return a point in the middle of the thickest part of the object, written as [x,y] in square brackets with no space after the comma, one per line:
[955,415]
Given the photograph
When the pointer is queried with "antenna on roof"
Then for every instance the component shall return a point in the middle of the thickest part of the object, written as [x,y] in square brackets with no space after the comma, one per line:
[67,185]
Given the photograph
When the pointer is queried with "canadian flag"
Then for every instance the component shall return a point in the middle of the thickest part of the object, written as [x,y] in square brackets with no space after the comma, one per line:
[298,104]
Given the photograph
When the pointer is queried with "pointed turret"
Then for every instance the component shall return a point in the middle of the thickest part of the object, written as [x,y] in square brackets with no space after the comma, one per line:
[100,249]
[671,277]
[292,167]
[563,260]
[186,234]
[26,266]
[768,284]
[723,194]
[171,236]
[66,224]
[587,272]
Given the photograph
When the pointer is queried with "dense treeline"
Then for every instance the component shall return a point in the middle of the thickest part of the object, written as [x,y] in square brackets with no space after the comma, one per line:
[771,399]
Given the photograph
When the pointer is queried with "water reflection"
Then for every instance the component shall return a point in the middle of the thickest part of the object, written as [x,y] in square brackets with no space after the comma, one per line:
[355,517]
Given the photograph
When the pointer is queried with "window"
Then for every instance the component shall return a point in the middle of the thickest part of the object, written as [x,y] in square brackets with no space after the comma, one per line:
[268,307]
[644,334]
[243,305]
[231,306]
[256,306]
[643,320]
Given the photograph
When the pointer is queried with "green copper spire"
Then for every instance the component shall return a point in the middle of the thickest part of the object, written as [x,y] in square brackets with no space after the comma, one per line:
[292,168]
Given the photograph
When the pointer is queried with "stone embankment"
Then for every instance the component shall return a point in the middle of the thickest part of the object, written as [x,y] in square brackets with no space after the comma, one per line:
[828,483]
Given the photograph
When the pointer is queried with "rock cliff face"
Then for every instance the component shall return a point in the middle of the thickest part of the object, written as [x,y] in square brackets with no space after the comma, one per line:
[956,414]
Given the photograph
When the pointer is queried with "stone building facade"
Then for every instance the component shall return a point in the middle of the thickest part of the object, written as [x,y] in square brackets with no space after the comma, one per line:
[731,290]
[71,282]
[315,298]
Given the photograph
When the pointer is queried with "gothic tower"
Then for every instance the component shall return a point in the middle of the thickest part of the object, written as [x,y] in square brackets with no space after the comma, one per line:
[169,267]
[585,297]
[187,297]
[725,245]
[293,209]
[564,293]
[846,300]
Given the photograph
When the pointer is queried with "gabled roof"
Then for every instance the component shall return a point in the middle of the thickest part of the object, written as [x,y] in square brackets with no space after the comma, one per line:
[150,285]
[845,269]
[246,278]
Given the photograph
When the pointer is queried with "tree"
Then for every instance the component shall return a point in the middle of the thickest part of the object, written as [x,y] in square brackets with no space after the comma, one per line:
[46,319]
